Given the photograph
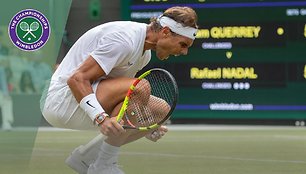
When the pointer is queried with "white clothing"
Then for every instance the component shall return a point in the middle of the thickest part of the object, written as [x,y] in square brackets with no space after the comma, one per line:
[116,46]
[6,105]
[106,163]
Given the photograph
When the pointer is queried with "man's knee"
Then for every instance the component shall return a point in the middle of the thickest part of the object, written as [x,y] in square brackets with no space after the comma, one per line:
[142,92]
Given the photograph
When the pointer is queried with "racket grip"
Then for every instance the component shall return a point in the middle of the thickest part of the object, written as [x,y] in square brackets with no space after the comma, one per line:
[128,127]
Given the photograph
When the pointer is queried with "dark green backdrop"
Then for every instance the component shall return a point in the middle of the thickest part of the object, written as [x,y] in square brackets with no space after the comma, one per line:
[277,56]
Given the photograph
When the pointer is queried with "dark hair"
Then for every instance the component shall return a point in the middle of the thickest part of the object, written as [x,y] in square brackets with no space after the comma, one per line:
[26,82]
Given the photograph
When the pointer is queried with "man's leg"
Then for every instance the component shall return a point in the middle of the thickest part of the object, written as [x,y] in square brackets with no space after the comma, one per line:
[109,150]
[6,105]
[110,94]
[84,155]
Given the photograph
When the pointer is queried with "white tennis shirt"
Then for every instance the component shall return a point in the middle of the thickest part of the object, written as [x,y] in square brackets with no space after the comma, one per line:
[116,46]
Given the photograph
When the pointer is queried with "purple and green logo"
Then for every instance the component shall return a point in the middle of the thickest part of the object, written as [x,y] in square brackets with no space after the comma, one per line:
[29,30]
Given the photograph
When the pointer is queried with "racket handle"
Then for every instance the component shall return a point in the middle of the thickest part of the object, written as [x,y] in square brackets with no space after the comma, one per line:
[128,127]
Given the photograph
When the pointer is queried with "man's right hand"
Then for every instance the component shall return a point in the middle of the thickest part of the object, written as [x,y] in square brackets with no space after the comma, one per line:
[110,127]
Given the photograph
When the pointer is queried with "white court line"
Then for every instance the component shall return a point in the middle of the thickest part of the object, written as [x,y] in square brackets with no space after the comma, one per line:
[199,127]
[61,152]
[210,157]
[195,127]
[180,127]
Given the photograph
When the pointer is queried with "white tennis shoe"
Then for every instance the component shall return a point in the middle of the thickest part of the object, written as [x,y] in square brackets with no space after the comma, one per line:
[77,161]
[105,169]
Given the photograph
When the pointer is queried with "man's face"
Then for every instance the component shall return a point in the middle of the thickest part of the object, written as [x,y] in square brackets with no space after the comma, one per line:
[172,44]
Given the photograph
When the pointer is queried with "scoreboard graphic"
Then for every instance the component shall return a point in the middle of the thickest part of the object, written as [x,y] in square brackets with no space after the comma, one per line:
[248,60]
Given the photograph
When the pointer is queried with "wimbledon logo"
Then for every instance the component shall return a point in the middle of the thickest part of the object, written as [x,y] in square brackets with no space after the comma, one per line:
[29,30]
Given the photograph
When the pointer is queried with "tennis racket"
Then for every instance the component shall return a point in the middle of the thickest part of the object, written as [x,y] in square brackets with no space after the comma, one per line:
[150,100]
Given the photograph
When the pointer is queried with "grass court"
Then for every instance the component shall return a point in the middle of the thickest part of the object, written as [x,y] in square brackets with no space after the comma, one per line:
[193,149]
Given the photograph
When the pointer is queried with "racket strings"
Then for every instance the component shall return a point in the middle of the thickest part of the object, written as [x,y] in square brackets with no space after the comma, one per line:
[151,103]
[167,91]
[138,110]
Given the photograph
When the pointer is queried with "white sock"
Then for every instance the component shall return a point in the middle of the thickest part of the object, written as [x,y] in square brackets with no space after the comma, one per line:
[90,151]
[94,143]
[108,154]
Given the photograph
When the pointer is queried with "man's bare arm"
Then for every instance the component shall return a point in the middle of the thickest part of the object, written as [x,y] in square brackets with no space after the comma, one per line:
[81,80]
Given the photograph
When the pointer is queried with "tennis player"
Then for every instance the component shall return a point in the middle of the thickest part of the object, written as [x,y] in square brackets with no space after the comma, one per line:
[87,89]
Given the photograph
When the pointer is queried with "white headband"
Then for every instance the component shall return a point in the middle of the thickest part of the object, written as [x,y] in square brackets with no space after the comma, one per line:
[178,28]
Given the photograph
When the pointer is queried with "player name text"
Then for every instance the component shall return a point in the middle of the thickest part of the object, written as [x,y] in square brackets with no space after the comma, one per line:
[223,73]
[229,32]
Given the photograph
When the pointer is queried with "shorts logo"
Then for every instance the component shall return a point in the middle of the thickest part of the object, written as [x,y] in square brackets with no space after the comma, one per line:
[29,30]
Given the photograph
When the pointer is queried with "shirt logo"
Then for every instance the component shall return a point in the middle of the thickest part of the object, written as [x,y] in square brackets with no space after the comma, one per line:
[130,63]
[90,104]
[29,30]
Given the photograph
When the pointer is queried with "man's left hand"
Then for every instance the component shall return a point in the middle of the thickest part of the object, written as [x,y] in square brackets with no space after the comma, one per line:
[157,134]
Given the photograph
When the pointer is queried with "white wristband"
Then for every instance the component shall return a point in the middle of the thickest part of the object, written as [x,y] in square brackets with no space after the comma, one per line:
[91,106]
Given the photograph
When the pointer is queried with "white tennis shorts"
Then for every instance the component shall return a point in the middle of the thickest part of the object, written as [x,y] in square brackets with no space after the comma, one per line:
[62,110]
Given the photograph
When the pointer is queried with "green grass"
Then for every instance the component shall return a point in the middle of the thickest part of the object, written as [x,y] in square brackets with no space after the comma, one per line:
[246,151]
[15,150]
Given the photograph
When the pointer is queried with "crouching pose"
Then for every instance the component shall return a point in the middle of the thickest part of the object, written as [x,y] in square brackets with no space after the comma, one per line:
[88,87]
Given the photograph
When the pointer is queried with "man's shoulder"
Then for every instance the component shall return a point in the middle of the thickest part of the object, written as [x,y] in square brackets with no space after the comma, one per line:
[120,23]
[117,27]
